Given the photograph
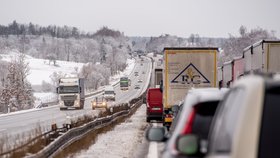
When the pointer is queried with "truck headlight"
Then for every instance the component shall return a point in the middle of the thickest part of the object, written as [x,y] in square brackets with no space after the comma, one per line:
[76,102]
[61,103]
[104,103]
[94,103]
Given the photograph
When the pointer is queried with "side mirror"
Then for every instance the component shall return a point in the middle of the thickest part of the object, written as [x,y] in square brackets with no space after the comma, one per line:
[157,134]
[80,89]
[188,144]
[57,90]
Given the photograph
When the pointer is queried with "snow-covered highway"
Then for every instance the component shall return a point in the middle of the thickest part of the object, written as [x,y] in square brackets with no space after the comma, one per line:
[23,122]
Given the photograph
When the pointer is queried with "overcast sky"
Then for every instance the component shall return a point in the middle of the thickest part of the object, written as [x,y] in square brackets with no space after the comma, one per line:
[210,18]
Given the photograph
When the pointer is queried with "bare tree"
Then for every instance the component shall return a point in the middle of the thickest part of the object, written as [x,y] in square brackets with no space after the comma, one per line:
[17,92]
[234,45]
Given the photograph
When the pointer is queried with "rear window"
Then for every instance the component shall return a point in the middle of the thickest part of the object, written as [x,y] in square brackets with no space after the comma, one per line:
[203,118]
[270,128]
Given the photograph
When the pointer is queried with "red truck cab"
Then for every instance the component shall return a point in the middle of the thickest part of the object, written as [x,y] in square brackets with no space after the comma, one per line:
[154,104]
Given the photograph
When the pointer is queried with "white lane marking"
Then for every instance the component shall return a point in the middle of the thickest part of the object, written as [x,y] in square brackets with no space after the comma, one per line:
[153,148]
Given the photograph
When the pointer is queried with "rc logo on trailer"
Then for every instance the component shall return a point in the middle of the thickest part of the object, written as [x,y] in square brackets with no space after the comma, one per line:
[190,75]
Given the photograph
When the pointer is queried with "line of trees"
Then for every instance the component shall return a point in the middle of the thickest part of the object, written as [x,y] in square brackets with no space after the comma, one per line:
[52,30]
[105,52]
[231,46]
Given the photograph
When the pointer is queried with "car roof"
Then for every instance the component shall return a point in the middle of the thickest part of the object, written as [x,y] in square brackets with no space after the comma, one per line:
[109,87]
[205,94]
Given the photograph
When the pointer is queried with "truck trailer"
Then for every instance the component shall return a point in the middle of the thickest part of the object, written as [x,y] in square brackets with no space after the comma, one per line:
[71,93]
[183,69]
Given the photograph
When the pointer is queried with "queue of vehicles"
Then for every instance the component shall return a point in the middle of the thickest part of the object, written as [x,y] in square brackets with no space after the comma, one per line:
[195,117]
[262,56]
[244,124]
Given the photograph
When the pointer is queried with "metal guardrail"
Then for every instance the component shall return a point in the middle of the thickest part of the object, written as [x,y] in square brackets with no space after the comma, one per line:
[72,135]
[76,133]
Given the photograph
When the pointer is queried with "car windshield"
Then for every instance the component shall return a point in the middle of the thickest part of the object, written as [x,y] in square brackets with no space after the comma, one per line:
[109,92]
[68,89]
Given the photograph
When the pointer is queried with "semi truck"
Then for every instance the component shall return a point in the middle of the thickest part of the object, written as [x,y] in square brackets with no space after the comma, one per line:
[71,93]
[183,69]
[262,56]
[158,77]
[124,83]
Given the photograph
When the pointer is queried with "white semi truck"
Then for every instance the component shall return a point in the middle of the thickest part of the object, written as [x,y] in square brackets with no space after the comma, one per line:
[183,69]
[71,93]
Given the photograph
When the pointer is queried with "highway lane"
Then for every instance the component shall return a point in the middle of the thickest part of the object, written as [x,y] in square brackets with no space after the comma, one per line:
[23,122]
[125,96]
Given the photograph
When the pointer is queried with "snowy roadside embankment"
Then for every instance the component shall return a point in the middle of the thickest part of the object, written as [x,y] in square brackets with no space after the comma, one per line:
[122,141]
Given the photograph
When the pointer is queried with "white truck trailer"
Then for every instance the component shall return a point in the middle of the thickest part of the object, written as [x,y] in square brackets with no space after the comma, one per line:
[186,68]
[71,93]
[262,56]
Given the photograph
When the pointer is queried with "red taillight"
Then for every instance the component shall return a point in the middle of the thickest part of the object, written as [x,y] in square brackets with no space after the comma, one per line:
[188,127]
[168,115]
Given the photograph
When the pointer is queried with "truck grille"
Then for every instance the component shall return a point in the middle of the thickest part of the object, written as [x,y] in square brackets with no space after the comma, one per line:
[69,97]
[69,103]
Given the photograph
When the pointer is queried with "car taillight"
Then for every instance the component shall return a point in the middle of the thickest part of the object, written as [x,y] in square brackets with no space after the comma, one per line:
[188,127]
[168,115]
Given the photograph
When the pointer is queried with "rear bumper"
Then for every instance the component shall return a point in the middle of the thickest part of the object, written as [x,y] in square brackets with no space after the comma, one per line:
[157,116]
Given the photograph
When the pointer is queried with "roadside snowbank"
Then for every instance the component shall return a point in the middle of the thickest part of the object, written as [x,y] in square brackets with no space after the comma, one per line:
[122,141]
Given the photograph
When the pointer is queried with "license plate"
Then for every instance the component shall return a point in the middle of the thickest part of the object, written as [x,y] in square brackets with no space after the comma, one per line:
[155,108]
[167,119]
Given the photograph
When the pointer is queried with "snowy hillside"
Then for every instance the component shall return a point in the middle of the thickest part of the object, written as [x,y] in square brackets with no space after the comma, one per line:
[41,70]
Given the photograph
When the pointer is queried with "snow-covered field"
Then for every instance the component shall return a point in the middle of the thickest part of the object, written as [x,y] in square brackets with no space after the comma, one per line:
[41,70]
[122,141]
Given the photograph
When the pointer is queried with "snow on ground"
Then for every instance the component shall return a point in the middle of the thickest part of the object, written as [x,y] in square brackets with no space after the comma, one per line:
[44,97]
[122,141]
[130,66]
[41,70]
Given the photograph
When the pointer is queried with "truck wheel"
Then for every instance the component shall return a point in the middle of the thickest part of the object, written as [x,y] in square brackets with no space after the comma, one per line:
[62,109]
